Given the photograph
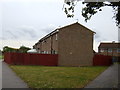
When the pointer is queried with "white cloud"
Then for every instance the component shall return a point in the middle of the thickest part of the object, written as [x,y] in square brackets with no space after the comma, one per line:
[31,1]
[26,33]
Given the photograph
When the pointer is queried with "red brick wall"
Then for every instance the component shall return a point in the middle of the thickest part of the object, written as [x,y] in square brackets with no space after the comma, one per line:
[31,59]
[102,60]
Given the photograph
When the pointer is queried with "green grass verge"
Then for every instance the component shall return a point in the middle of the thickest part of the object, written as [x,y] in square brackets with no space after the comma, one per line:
[57,77]
[1,57]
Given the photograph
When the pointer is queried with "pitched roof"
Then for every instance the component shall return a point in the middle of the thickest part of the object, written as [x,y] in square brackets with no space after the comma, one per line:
[57,30]
[78,24]
[50,34]
[109,45]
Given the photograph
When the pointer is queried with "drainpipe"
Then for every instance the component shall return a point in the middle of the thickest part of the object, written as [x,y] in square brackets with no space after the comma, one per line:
[40,47]
[51,44]
[107,51]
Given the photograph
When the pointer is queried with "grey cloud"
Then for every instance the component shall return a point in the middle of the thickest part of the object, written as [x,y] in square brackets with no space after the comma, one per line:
[29,32]
[22,33]
[49,28]
[3,38]
[97,36]
[7,34]
[26,33]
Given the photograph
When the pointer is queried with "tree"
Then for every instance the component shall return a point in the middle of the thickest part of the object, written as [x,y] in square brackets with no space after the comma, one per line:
[9,49]
[23,49]
[92,8]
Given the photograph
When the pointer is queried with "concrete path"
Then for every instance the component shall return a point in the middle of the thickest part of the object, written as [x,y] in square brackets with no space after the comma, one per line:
[0,74]
[108,79]
[9,78]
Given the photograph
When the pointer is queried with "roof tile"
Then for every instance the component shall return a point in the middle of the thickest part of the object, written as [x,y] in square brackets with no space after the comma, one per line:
[109,45]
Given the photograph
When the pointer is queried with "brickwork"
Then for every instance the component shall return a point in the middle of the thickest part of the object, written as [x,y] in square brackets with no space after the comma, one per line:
[72,43]
[75,46]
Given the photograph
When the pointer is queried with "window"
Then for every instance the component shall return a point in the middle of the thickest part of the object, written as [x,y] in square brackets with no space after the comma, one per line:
[118,50]
[109,50]
[42,52]
[47,52]
[43,41]
[53,51]
[56,52]
[39,51]
[56,37]
[101,50]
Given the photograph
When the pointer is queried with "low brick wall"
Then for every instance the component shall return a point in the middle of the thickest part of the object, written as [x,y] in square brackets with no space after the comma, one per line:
[102,60]
[31,59]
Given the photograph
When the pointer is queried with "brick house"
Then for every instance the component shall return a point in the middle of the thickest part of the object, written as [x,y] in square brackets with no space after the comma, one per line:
[110,49]
[72,43]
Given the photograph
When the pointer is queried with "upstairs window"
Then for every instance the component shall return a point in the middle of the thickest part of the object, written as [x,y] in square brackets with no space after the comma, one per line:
[56,37]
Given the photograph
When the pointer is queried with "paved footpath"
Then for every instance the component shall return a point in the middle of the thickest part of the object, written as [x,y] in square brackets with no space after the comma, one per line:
[10,79]
[108,79]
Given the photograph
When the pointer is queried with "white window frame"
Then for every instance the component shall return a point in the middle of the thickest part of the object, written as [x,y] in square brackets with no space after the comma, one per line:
[56,37]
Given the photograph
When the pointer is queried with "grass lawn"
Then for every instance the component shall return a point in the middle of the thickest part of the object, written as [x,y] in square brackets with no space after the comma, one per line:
[57,77]
[1,57]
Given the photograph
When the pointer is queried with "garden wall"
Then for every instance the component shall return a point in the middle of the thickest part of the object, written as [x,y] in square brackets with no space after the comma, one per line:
[102,60]
[31,59]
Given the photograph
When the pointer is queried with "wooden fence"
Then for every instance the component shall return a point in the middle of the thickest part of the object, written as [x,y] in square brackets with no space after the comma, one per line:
[31,59]
[102,60]
[48,59]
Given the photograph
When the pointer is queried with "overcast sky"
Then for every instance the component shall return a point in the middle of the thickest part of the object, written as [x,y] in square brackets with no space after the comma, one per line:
[24,22]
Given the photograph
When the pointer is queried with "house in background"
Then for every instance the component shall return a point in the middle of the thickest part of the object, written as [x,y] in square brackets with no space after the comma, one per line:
[72,43]
[110,49]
